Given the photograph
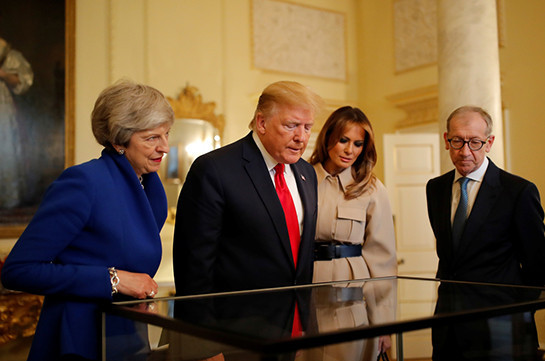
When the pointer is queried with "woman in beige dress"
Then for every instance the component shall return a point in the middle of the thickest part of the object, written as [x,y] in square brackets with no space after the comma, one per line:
[355,232]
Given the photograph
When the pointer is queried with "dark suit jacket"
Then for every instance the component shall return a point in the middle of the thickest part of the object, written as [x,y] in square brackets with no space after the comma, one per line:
[503,240]
[230,231]
[476,338]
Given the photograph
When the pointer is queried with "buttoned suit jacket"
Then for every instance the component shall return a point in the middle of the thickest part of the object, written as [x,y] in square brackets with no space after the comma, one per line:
[482,338]
[230,231]
[503,240]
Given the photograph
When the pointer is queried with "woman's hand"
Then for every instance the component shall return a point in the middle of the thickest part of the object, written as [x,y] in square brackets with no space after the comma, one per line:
[137,285]
[384,343]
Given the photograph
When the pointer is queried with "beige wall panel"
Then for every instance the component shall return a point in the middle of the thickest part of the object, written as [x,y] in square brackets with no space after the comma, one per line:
[186,47]
[378,79]
[92,72]
[128,26]
[208,44]
[521,66]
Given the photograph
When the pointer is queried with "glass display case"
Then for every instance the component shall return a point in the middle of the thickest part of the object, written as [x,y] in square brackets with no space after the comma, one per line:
[334,320]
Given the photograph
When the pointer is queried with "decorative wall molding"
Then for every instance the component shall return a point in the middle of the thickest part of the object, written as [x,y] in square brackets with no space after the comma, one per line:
[415,33]
[298,39]
[421,106]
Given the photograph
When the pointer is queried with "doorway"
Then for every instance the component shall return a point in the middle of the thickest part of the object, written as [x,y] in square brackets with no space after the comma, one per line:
[411,159]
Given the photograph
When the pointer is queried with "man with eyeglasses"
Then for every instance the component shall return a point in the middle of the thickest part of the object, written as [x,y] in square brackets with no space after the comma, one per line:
[501,238]
[488,226]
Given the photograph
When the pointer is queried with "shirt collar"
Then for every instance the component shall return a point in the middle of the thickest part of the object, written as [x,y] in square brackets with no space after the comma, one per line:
[321,173]
[345,177]
[269,160]
[476,175]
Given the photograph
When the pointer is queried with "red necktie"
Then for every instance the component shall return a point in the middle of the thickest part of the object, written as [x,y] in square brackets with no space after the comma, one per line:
[297,327]
[289,210]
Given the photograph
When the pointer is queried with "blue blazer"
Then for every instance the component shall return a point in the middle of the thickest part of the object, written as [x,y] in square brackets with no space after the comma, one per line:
[503,240]
[94,216]
[231,232]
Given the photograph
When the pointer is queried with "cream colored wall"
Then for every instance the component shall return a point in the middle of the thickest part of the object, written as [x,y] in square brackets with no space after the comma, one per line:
[523,83]
[378,78]
[522,59]
[522,62]
[207,43]
[165,43]
[171,43]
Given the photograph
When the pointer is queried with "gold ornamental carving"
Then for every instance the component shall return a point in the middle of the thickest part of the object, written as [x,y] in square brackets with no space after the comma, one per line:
[19,313]
[189,104]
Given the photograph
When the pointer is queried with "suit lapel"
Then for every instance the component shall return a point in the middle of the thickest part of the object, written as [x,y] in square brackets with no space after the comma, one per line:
[257,171]
[152,208]
[444,201]
[307,199]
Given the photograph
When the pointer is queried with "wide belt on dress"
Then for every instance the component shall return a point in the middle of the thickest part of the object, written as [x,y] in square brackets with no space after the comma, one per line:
[325,251]
[328,296]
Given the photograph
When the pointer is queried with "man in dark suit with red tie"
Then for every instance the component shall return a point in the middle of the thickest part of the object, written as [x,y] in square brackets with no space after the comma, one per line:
[232,232]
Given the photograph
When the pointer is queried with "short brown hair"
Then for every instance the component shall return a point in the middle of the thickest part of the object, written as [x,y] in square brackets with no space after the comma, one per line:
[127,107]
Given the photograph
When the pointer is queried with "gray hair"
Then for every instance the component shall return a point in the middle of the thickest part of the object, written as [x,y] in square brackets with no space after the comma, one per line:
[125,108]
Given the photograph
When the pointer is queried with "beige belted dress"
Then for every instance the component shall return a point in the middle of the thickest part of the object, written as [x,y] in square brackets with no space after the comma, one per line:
[366,220]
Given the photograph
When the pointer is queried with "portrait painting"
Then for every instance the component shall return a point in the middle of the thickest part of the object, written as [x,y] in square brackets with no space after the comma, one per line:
[36,102]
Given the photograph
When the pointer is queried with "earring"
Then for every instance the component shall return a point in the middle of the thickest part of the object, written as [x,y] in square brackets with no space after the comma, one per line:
[121,151]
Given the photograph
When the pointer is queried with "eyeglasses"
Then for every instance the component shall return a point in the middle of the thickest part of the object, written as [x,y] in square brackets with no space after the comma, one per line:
[473,144]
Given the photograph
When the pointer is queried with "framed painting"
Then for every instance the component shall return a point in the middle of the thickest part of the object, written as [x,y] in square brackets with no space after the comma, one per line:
[36,104]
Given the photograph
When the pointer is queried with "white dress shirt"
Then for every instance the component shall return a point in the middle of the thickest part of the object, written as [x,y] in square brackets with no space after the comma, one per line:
[288,175]
[473,186]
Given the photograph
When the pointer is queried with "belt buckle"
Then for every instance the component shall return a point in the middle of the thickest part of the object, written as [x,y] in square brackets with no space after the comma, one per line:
[324,252]
[337,250]
[349,294]
[330,251]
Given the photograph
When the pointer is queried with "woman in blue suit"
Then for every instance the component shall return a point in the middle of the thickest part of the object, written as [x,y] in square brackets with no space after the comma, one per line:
[96,234]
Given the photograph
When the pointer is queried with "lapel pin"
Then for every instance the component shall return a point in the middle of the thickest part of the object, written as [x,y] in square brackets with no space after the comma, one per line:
[303,177]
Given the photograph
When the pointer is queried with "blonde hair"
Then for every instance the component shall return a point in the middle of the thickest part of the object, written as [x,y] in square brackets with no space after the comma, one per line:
[286,93]
[125,108]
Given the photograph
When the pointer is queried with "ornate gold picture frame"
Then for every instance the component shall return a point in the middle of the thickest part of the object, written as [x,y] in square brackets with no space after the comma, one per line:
[43,130]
